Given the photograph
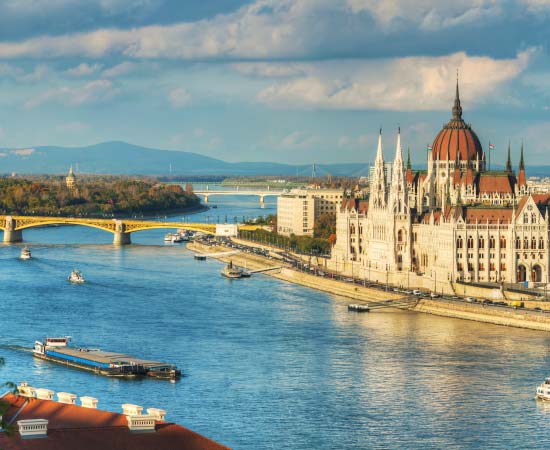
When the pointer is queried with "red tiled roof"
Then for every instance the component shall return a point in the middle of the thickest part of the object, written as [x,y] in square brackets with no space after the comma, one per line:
[468,177]
[501,183]
[74,427]
[522,180]
[350,204]
[490,215]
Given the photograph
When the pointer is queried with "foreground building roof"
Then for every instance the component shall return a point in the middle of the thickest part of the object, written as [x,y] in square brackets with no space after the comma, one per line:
[75,427]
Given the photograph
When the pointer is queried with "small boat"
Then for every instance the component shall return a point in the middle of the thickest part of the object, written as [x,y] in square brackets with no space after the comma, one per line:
[76,277]
[358,308]
[200,257]
[231,271]
[173,238]
[543,391]
[25,253]
[214,206]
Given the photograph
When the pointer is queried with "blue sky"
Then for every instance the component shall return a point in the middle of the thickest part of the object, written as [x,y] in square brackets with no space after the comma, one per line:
[295,81]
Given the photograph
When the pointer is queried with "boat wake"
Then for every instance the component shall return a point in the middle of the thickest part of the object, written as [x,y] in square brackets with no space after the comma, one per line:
[16,348]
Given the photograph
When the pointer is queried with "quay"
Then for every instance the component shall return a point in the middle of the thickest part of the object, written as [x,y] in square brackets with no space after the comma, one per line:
[528,318]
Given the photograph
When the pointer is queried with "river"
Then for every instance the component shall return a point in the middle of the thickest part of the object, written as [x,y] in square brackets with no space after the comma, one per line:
[268,364]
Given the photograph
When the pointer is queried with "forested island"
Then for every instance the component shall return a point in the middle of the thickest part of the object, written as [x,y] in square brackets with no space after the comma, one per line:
[93,196]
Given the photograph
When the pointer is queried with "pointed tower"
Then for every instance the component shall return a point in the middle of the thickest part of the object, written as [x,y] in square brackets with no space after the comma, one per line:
[70,179]
[509,160]
[378,183]
[399,202]
[522,179]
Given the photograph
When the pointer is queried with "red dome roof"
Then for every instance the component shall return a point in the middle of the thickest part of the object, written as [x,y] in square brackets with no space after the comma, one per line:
[457,137]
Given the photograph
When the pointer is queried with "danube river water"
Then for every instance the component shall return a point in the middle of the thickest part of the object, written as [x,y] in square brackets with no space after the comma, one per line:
[268,365]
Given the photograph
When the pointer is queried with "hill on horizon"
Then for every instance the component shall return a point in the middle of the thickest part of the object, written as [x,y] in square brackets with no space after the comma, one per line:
[117,157]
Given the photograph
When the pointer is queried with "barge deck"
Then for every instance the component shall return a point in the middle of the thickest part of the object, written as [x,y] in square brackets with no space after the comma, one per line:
[112,364]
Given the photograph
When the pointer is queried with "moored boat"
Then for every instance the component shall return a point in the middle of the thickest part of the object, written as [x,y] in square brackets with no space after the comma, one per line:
[231,271]
[76,277]
[543,391]
[112,364]
[173,238]
[358,308]
[25,253]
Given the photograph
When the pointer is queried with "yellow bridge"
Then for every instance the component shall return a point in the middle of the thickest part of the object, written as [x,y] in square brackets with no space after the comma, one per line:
[13,226]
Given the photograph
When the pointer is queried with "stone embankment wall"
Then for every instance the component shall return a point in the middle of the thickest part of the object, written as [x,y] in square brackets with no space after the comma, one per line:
[461,310]
[499,316]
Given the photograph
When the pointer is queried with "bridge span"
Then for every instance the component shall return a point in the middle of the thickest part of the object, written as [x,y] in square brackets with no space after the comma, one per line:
[13,226]
[260,193]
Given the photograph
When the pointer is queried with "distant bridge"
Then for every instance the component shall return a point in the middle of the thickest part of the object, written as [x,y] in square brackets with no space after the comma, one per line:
[260,193]
[13,226]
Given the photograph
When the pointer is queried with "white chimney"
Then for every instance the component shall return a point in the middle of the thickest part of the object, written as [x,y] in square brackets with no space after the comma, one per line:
[24,390]
[89,402]
[140,423]
[66,397]
[131,410]
[158,414]
[44,394]
[33,428]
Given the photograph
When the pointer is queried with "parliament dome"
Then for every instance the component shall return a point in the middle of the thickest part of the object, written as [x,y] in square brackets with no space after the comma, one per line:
[456,137]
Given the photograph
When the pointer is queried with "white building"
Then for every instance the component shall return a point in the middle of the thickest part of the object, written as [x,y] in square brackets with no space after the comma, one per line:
[454,222]
[298,210]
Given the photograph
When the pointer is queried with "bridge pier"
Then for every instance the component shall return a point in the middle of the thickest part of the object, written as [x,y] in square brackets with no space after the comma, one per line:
[206,199]
[11,236]
[121,236]
[262,203]
[10,233]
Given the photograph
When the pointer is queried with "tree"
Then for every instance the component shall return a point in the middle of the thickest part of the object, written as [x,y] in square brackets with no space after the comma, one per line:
[325,225]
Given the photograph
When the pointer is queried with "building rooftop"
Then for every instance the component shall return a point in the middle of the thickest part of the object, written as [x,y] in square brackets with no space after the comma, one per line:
[76,427]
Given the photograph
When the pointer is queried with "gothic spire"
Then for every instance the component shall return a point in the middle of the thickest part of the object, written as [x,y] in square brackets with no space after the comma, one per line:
[457,109]
[509,160]
[521,163]
[379,154]
[408,158]
[398,150]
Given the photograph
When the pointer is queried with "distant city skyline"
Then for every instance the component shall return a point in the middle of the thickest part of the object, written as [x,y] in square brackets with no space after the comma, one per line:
[291,81]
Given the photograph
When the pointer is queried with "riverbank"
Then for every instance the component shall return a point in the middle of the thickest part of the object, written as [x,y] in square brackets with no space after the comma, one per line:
[520,318]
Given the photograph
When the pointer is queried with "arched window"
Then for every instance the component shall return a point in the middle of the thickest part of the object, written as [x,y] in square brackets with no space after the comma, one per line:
[533,243]
[470,242]
[459,243]
[541,244]
[492,242]
[502,242]
[518,243]
[525,243]
[533,218]
[400,236]
[525,218]
[481,242]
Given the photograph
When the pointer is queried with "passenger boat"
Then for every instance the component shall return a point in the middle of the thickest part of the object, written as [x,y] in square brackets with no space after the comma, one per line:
[76,277]
[25,253]
[543,391]
[200,257]
[358,308]
[111,364]
[231,271]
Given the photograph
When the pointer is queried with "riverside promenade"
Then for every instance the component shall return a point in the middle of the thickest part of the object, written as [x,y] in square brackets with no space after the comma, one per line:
[520,318]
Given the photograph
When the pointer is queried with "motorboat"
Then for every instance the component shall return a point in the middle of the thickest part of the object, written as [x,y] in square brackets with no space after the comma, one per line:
[76,277]
[231,271]
[25,253]
[358,308]
[543,391]
[173,238]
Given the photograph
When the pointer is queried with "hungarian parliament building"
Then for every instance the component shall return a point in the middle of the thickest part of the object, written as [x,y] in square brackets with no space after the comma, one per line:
[456,221]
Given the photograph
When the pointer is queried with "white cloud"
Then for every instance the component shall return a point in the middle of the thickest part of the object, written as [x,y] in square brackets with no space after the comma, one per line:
[179,98]
[97,91]
[270,70]
[84,70]
[119,69]
[413,83]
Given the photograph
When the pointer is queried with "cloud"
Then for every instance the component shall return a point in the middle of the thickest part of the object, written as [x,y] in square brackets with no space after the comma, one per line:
[270,70]
[84,70]
[97,91]
[282,29]
[413,83]
[179,98]
[119,69]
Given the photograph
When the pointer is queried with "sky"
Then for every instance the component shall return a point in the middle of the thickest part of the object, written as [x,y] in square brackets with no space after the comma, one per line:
[295,81]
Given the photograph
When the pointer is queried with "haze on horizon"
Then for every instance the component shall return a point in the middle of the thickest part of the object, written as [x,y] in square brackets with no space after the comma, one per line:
[294,81]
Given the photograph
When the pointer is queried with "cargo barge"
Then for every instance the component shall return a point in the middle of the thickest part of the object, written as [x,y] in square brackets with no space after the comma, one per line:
[110,364]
